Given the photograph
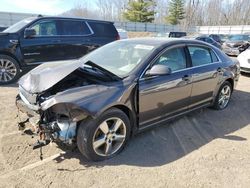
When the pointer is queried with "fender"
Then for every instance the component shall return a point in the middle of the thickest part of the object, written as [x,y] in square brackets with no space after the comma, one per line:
[92,100]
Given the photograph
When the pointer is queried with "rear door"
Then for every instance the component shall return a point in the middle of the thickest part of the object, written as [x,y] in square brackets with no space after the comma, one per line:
[166,95]
[75,38]
[206,72]
[43,46]
[104,32]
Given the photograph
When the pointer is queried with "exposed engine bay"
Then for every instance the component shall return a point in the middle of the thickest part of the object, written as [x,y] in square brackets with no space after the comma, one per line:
[78,78]
[57,123]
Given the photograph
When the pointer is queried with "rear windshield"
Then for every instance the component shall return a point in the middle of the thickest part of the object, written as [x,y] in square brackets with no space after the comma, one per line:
[103,29]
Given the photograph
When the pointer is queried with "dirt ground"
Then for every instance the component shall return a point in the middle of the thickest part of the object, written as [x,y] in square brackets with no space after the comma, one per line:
[139,34]
[206,148]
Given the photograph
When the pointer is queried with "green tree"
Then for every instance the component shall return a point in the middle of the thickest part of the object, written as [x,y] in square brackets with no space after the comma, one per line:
[140,11]
[176,12]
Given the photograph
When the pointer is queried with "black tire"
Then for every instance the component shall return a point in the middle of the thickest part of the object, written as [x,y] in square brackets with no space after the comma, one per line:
[216,104]
[88,128]
[4,59]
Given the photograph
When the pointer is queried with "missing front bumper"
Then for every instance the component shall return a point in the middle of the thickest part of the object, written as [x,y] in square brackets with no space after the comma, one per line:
[56,129]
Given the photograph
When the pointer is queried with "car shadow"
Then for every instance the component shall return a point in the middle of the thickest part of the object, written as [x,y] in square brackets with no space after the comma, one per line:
[172,141]
[245,74]
[10,85]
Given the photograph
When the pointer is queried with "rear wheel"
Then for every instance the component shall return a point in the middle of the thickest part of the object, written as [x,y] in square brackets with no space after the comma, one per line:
[104,137]
[223,97]
[9,70]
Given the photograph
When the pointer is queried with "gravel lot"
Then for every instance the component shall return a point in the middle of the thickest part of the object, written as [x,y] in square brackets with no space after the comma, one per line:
[206,148]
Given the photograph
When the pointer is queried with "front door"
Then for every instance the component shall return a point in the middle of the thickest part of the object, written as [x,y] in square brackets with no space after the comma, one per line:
[44,46]
[163,96]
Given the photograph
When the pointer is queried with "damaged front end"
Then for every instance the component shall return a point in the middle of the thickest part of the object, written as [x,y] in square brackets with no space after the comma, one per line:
[52,119]
[57,97]
[56,124]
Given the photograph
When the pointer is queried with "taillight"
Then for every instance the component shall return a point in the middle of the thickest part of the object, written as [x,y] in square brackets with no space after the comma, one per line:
[118,37]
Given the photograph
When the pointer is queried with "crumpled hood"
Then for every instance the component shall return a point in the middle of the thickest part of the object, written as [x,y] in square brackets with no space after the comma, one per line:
[47,75]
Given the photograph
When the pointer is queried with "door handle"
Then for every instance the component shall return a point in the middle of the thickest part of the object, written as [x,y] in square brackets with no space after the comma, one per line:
[14,41]
[186,78]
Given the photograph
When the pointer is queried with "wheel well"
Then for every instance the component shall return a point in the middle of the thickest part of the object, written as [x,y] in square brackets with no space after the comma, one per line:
[231,81]
[129,113]
[11,55]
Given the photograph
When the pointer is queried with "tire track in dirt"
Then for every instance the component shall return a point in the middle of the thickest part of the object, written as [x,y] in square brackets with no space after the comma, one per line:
[3,163]
[31,166]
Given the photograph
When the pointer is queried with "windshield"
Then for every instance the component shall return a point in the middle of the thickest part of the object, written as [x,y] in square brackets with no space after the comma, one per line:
[119,57]
[19,25]
[239,37]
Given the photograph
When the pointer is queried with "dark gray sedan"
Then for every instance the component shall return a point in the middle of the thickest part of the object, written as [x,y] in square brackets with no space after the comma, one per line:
[122,88]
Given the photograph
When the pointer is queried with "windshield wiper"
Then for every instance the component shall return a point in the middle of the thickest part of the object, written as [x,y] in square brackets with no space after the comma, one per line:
[104,71]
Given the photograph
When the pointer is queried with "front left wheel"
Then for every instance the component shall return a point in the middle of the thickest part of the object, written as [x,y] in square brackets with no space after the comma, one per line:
[9,70]
[105,136]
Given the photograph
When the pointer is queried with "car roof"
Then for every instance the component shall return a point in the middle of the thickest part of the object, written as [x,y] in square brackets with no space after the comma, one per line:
[204,36]
[179,32]
[69,18]
[239,34]
[164,41]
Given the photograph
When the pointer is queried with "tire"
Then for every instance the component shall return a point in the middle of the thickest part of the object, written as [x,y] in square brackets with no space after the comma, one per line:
[94,132]
[218,103]
[9,70]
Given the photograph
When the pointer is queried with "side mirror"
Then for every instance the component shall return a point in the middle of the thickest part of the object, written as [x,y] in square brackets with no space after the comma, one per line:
[158,70]
[29,33]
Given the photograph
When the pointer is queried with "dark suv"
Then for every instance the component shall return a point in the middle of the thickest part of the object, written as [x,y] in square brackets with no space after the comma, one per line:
[35,40]
[2,28]
[177,34]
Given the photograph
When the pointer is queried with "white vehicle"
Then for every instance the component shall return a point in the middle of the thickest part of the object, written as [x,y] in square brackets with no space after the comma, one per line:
[244,59]
[122,33]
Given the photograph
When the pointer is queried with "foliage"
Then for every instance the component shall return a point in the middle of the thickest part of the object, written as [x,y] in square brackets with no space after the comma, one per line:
[140,11]
[176,12]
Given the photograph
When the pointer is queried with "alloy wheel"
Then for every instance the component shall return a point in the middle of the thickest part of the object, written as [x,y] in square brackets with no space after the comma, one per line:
[109,136]
[8,70]
[224,96]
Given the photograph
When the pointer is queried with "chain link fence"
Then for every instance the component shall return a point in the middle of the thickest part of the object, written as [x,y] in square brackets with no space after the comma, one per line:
[151,27]
[235,29]
[8,18]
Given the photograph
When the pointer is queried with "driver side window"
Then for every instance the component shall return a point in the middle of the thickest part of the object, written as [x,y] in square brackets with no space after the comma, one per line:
[173,58]
[45,28]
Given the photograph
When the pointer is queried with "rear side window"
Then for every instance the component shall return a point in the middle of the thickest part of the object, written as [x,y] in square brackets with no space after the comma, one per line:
[201,56]
[74,27]
[103,29]
[45,28]
[214,57]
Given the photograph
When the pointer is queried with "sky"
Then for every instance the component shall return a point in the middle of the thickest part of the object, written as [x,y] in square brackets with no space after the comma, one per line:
[48,7]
